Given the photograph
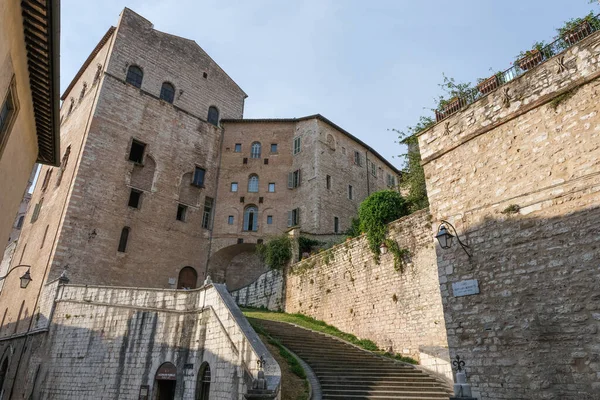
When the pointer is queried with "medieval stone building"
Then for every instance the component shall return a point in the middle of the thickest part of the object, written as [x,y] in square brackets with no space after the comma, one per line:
[159,171]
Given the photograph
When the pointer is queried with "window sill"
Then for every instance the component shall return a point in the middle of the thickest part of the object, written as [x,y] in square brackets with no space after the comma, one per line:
[198,186]
[139,164]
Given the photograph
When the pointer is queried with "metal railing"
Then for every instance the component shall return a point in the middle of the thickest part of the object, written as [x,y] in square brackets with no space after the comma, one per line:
[522,65]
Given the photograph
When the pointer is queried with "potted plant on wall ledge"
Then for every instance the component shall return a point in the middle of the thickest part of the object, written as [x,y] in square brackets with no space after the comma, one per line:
[530,58]
[460,94]
[485,86]
[578,28]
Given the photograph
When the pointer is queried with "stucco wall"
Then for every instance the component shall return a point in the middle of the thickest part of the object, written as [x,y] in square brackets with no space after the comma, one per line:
[532,332]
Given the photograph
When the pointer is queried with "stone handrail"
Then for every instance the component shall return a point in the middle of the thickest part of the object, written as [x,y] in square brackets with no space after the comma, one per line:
[244,341]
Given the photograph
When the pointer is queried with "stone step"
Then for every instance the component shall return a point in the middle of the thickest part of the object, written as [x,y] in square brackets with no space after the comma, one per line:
[347,372]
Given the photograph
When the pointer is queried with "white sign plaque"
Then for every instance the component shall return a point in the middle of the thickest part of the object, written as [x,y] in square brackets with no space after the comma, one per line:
[465,288]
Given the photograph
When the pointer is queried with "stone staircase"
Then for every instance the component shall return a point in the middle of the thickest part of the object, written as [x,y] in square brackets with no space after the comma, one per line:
[350,373]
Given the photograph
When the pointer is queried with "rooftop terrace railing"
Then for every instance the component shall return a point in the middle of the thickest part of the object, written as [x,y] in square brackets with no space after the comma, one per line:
[522,65]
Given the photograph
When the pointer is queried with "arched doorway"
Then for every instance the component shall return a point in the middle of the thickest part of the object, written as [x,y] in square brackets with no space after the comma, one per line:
[165,381]
[3,371]
[203,383]
[188,278]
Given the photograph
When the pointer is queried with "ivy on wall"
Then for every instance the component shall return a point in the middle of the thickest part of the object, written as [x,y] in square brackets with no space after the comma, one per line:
[277,252]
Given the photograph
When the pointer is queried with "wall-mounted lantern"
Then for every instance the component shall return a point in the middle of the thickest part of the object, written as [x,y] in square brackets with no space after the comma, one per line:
[25,279]
[383,248]
[445,238]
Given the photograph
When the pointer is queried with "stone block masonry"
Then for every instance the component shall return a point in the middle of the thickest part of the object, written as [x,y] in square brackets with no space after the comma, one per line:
[109,342]
[517,173]
[400,311]
[267,291]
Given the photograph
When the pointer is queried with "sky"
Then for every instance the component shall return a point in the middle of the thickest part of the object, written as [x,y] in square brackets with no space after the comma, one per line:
[369,66]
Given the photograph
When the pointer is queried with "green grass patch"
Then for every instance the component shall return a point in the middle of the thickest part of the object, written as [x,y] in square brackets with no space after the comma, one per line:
[318,326]
[295,366]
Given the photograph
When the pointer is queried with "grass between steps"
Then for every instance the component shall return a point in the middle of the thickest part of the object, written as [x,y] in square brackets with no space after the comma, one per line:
[320,326]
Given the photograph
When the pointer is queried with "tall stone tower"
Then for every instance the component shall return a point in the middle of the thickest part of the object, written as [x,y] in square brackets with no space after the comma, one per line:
[130,203]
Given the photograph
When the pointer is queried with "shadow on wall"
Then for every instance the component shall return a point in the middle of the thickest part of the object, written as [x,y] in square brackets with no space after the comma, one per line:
[532,331]
[147,353]
[236,266]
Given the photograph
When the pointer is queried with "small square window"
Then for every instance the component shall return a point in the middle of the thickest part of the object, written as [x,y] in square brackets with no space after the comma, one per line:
[259,241]
[136,153]
[245,160]
[234,186]
[181,212]
[271,187]
[230,220]
[240,241]
[238,148]
[261,199]
[241,199]
[199,176]
[269,219]
[134,198]
[273,147]
[266,161]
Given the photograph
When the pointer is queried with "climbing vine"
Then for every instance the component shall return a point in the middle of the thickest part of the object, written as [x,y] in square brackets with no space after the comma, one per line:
[399,254]
[277,252]
[376,212]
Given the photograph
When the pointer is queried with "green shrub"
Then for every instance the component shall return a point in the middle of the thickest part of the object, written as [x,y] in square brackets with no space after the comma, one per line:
[277,252]
[376,211]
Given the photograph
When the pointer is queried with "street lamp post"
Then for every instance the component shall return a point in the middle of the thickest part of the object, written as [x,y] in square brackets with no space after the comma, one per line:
[25,279]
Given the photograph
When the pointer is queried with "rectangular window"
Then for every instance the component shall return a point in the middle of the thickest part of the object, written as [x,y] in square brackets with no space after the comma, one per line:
[230,220]
[134,198]
[294,217]
[297,145]
[8,111]
[136,153]
[391,180]
[294,179]
[123,240]
[269,219]
[245,160]
[46,179]
[240,241]
[238,148]
[181,211]
[36,211]
[234,186]
[271,187]
[241,199]
[350,192]
[328,181]
[373,169]
[199,174]
[207,215]
[358,158]
[336,225]
[273,147]
[266,161]
[261,199]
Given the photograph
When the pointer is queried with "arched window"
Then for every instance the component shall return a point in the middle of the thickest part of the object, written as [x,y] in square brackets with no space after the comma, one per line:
[188,278]
[251,219]
[213,116]
[255,150]
[203,384]
[123,239]
[167,92]
[253,184]
[135,76]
